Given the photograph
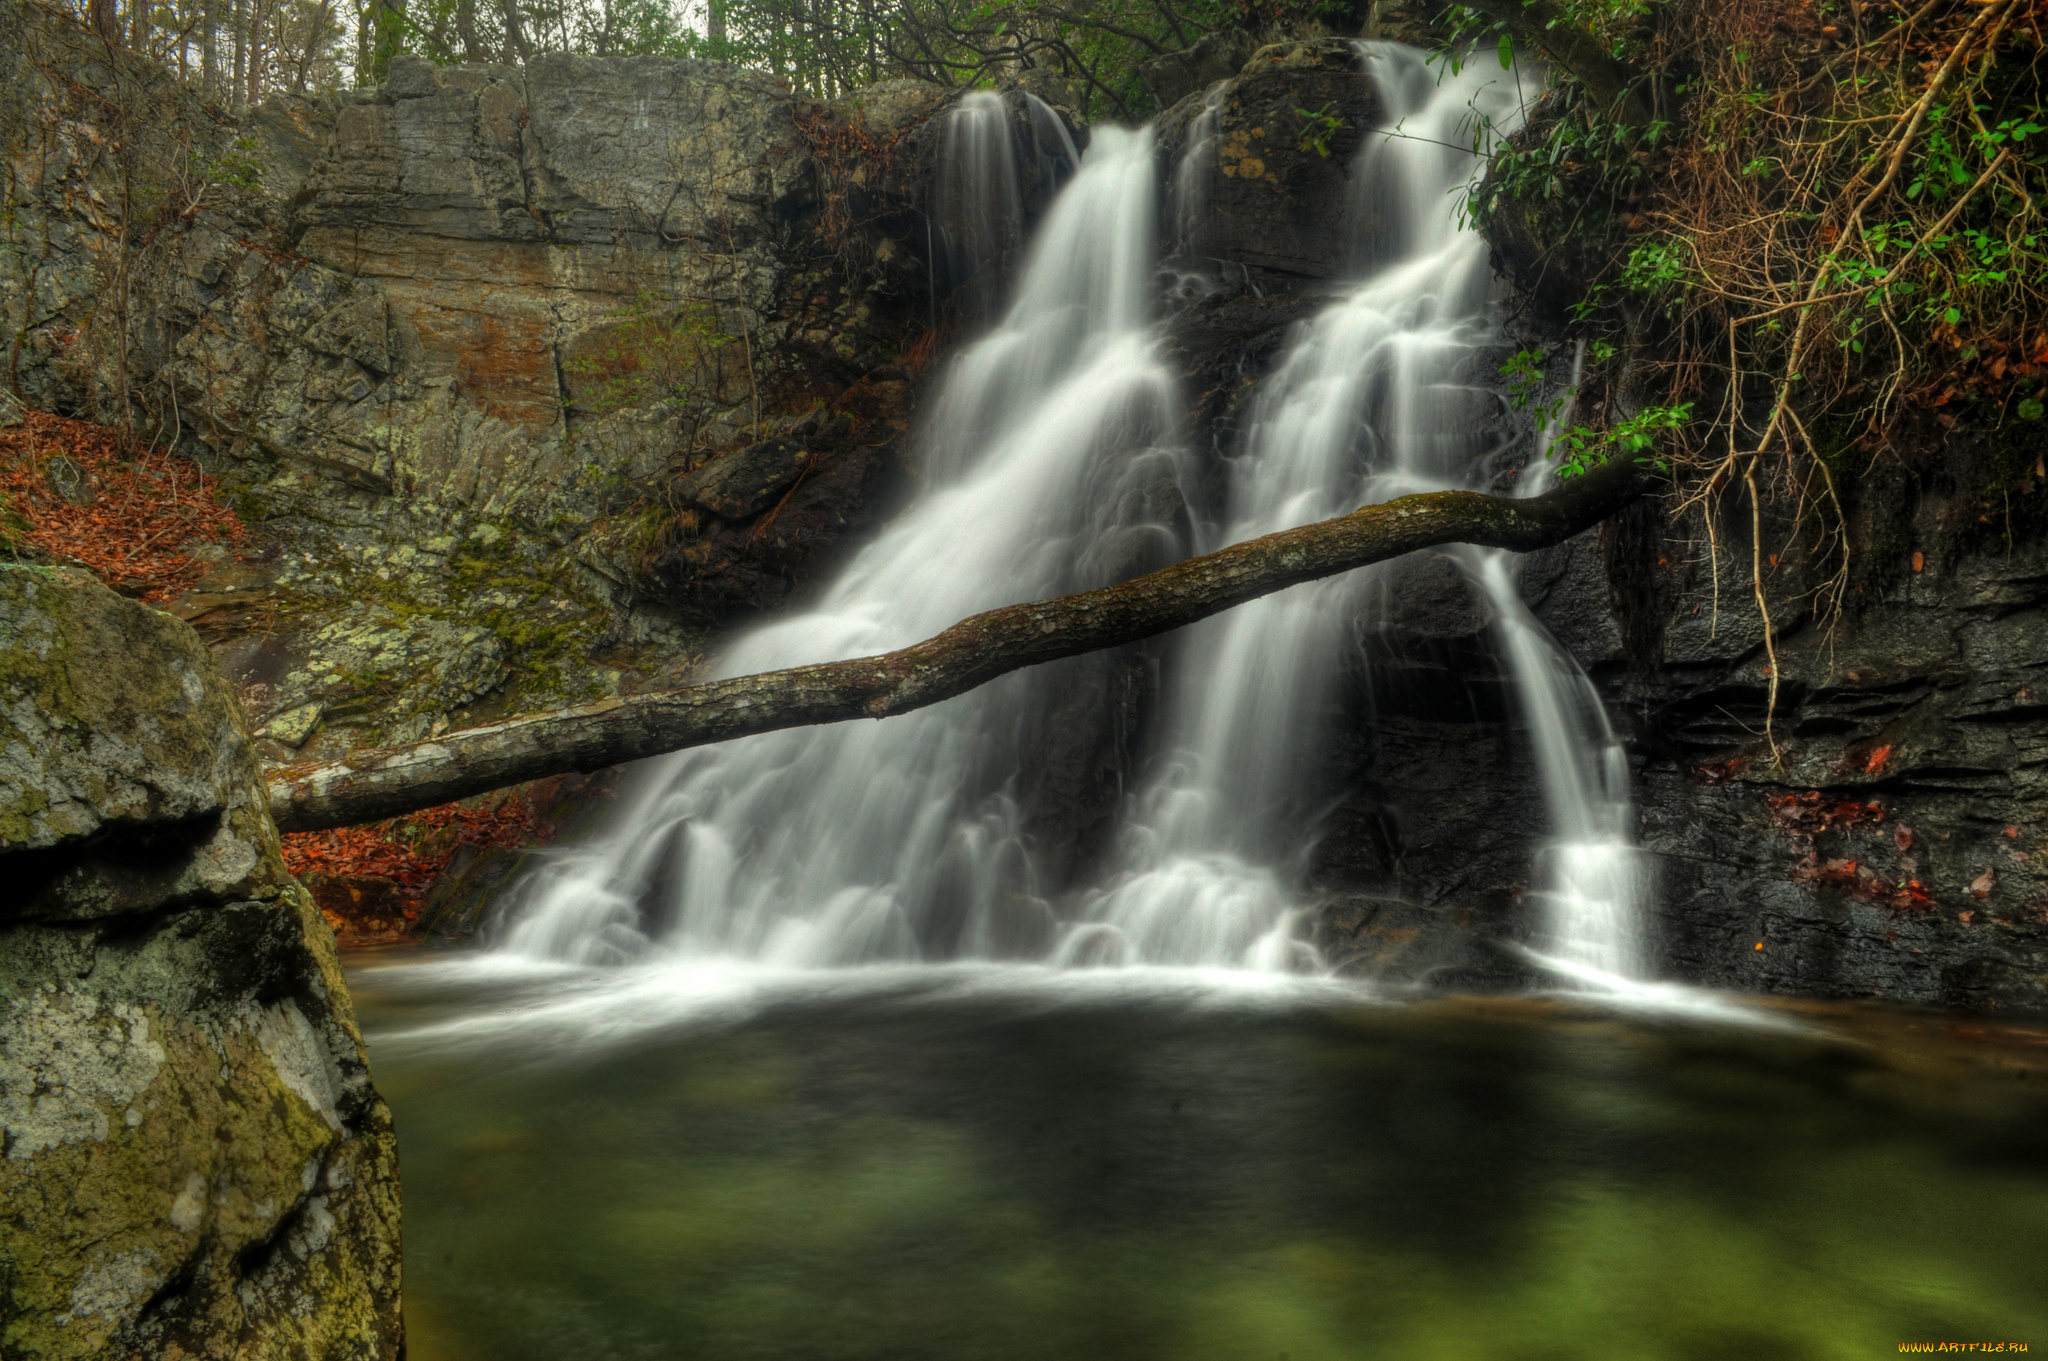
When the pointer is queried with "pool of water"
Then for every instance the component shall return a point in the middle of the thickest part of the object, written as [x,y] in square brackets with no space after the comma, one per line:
[968,1163]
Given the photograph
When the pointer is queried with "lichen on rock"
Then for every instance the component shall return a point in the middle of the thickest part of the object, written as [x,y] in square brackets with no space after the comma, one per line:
[192,1155]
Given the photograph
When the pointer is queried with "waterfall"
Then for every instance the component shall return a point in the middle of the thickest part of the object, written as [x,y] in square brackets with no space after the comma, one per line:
[1587,875]
[907,839]
[1588,878]
[978,192]
[1379,395]
[903,839]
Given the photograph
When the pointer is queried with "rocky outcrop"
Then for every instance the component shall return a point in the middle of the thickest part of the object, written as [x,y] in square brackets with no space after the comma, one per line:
[454,342]
[195,1162]
[1262,165]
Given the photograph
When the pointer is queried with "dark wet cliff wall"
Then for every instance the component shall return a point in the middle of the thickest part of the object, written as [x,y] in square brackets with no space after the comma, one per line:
[396,324]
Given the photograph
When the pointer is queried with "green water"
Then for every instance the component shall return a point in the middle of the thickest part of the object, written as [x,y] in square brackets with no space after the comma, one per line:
[992,1166]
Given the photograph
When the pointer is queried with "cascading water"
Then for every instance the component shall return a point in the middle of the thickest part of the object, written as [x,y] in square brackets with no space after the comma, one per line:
[901,840]
[905,839]
[978,193]
[1374,399]
[1589,876]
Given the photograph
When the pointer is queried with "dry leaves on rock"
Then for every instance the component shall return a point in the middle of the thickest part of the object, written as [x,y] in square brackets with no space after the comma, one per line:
[80,495]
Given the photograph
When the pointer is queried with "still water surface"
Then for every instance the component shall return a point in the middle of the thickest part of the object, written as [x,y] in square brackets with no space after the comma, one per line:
[984,1162]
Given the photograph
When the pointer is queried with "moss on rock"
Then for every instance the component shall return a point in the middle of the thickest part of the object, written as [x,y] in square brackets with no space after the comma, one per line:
[195,1163]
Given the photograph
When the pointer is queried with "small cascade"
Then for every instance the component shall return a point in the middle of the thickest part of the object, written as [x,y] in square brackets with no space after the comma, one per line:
[1375,398]
[1190,197]
[979,191]
[1588,875]
[902,840]
[1589,878]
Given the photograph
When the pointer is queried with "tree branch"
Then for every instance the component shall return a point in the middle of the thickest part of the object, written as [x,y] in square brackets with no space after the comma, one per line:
[1614,86]
[372,784]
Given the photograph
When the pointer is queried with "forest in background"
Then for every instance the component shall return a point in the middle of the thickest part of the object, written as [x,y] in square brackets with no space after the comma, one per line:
[239,51]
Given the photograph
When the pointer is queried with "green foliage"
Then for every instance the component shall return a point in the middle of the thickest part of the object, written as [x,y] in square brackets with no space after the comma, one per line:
[237,165]
[656,353]
[1578,448]
[1581,447]
[460,30]
[1573,153]
[1318,126]
[829,47]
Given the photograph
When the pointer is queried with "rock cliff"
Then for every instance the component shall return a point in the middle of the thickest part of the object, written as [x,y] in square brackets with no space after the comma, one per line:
[529,378]
[461,347]
[195,1162]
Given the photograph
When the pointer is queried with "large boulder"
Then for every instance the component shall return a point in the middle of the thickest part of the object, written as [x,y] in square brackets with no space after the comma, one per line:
[195,1161]
[1263,163]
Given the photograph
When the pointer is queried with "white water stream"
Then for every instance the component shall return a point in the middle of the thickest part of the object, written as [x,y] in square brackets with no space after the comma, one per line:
[901,840]
[905,840]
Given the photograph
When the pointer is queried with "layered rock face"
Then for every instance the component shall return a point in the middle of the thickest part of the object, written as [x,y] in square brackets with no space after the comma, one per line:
[1887,848]
[458,345]
[195,1161]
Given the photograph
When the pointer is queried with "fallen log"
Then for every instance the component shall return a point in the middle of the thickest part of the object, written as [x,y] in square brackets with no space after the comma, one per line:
[372,784]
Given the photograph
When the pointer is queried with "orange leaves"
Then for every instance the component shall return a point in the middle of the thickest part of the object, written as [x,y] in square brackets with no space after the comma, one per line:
[77,497]
[1809,815]
[411,852]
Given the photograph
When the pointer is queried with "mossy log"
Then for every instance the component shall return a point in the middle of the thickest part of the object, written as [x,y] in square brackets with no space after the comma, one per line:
[380,783]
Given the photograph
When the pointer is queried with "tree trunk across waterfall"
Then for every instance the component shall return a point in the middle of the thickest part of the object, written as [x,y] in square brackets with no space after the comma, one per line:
[369,785]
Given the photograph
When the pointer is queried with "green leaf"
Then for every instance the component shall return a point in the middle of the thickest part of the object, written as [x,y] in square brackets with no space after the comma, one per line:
[1507,52]
[2030,409]
[1952,317]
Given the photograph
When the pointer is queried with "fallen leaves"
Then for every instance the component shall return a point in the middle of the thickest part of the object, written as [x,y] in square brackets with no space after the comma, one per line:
[1811,813]
[407,854]
[72,493]
[1807,816]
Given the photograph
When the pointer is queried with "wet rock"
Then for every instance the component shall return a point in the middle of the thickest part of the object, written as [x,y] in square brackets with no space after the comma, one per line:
[1173,76]
[1267,184]
[744,483]
[195,1161]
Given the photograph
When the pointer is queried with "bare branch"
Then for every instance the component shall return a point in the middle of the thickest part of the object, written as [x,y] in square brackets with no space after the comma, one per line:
[370,785]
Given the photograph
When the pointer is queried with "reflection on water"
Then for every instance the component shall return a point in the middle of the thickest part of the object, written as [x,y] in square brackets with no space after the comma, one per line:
[1016,1163]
